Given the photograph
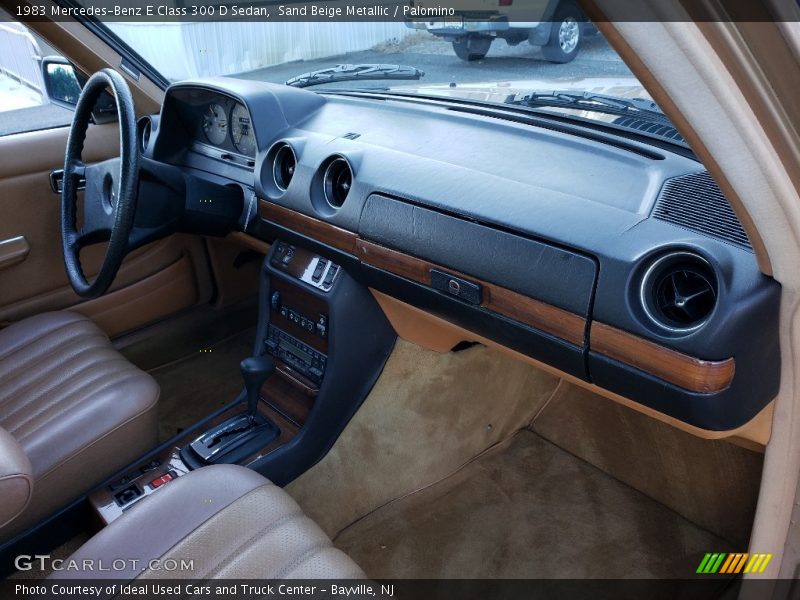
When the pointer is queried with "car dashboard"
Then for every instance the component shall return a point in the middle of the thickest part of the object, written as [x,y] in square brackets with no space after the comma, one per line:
[608,258]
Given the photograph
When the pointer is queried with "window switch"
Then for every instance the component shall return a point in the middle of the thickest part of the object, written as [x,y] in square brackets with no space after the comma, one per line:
[330,275]
[320,268]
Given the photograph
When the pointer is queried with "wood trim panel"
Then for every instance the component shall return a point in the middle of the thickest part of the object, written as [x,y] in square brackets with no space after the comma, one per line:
[286,396]
[540,315]
[694,374]
[314,228]
[395,262]
[557,321]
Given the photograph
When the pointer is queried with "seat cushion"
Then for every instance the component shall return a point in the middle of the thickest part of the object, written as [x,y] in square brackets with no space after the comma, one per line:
[79,410]
[231,522]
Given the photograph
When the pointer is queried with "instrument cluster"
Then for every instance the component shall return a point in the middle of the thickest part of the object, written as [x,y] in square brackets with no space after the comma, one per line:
[220,124]
[217,120]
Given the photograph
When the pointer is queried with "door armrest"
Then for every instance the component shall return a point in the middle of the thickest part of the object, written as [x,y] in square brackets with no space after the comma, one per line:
[13,250]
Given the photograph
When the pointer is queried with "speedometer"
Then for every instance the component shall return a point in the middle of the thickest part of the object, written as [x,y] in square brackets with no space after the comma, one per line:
[242,130]
[215,124]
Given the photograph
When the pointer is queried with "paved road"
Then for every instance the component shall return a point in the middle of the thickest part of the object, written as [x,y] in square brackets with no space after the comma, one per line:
[33,118]
[441,66]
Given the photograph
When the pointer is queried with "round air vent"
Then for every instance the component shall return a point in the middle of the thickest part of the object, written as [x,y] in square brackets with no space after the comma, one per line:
[337,181]
[144,128]
[283,166]
[679,291]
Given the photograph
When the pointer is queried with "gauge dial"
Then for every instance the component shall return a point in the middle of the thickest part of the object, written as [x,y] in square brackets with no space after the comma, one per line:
[215,124]
[242,130]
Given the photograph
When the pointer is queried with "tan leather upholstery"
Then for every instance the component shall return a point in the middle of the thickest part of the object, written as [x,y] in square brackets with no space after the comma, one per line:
[229,520]
[16,479]
[78,409]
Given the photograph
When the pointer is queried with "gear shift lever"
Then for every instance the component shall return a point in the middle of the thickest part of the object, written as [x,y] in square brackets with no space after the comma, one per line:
[242,435]
[255,371]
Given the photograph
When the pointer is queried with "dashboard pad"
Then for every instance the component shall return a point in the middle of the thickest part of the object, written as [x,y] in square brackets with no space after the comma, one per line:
[610,259]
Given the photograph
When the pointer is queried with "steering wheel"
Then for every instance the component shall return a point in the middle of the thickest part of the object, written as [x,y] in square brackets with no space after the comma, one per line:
[109,201]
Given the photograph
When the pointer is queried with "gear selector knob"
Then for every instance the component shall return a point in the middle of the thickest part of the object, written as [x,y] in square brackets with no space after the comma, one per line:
[255,371]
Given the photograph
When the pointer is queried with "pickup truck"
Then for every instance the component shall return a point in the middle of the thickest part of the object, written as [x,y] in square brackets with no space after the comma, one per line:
[559,29]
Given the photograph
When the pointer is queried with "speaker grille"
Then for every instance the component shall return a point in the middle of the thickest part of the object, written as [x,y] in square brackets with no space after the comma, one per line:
[695,202]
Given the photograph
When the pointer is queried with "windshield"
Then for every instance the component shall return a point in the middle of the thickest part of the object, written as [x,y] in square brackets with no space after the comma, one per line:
[489,65]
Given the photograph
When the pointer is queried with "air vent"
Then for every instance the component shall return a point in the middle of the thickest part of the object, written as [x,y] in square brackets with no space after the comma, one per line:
[337,181]
[144,128]
[695,202]
[661,130]
[679,291]
[283,166]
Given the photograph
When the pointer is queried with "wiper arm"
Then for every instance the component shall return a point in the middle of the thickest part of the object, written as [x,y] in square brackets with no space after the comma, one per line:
[355,72]
[590,101]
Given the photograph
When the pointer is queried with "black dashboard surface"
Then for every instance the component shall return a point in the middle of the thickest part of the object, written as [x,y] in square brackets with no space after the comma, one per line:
[555,213]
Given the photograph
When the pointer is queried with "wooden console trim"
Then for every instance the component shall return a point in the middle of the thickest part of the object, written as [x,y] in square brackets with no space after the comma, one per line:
[540,315]
[688,372]
[314,228]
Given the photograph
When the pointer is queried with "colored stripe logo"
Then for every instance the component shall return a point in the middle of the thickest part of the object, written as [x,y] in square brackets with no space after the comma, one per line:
[734,563]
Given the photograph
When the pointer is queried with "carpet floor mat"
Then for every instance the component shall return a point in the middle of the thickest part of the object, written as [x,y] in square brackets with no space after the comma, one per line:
[527,509]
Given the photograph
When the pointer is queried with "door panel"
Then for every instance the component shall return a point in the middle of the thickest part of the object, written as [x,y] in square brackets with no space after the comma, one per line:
[36,281]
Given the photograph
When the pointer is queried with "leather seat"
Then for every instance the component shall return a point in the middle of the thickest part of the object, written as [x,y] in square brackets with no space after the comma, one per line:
[230,521]
[74,411]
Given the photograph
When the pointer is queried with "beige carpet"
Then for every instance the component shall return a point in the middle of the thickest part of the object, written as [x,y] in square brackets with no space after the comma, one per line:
[712,483]
[527,510]
[598,490]
[428,414]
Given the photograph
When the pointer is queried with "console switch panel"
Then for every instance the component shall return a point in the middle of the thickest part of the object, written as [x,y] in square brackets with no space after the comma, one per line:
[304,265]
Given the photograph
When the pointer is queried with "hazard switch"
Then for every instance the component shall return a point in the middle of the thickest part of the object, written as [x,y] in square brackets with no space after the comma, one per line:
[159,481]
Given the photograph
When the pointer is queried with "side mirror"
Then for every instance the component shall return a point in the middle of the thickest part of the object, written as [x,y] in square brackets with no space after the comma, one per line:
[63,84]
[60,81]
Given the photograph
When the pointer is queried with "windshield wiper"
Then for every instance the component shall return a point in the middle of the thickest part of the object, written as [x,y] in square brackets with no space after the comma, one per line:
[593,102]
[355,72]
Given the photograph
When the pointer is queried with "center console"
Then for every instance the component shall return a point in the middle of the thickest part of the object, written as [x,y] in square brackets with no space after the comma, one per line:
[321,342]
[297,334]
